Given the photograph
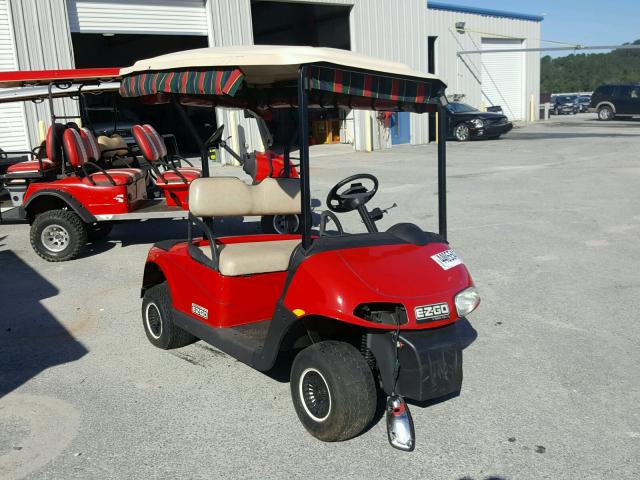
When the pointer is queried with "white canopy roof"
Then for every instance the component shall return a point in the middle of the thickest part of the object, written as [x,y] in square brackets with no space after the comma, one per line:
[263,64]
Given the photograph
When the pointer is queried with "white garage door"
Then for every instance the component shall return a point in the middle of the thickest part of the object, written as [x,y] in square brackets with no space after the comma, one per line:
[503,76]
[167,17]
[13,126]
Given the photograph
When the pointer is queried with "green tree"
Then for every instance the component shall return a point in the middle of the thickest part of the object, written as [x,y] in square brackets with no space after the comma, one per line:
[584,72]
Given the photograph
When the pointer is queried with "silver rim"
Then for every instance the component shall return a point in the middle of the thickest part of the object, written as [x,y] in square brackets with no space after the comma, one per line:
[55,238]
[315,395]
[462,133]
[153,320]
[605,113]
[286,223]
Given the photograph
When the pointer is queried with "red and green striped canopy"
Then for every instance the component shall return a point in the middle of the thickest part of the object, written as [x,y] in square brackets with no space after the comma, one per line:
[367,85]
[221,81]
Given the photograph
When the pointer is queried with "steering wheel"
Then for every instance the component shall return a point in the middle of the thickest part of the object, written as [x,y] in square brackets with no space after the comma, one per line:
[215,137]
[354,196]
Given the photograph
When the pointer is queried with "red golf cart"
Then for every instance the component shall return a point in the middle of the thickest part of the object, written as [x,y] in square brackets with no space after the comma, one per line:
[73,187]
[362,310]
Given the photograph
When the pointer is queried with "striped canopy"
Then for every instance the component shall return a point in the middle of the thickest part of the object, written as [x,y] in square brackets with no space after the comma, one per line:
[361,84]
[206,81]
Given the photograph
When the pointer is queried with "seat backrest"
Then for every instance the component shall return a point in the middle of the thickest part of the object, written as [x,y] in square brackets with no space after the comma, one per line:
[114,145]
[146,144]
[231,197]
[90,143]
[157,139]
[53,142]
[75,148]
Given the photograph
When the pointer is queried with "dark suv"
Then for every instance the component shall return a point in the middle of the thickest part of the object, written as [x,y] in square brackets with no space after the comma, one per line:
[610,101]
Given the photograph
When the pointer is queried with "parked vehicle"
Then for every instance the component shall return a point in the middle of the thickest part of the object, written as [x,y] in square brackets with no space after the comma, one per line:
[565,105]
[465,122]
[358,309]
[583,102]
[610,101]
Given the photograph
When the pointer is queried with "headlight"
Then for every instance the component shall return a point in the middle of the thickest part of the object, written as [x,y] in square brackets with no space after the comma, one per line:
[476,122]
[467,301]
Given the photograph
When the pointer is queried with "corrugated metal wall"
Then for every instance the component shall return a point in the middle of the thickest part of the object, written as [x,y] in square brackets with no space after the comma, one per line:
[13,128]
[43,41]
[463,75]
[230,24]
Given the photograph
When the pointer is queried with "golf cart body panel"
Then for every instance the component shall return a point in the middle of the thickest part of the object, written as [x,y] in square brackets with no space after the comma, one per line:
[345,281]
[96,199]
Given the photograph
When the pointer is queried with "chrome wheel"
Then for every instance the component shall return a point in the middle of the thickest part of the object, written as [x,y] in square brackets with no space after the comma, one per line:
[315,395]
[605,113]
[286,223]
[461,133]
[55,238]
[153,320]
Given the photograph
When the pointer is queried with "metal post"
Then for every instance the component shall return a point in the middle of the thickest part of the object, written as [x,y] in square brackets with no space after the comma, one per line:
[204,154]
[303,129]
[442,170]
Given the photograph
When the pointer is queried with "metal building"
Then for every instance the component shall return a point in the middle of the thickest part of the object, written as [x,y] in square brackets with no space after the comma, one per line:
[53,34]
[510,79]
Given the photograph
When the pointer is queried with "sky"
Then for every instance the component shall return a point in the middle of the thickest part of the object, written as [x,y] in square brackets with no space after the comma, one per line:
[585,22]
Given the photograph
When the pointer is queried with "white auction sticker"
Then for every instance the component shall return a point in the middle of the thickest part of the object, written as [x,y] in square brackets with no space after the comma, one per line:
[447,259]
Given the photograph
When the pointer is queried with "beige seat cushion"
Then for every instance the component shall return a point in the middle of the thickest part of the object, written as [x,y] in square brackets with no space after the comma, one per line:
[115,144]
[253,257]
[231,197]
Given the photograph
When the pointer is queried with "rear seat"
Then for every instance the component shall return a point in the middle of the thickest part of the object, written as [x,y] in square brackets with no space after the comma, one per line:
[45,166]
[78,155]
[231,197]
[94,154]
[155,152]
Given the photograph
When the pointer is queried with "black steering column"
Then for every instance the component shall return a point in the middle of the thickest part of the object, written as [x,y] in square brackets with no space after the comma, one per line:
[354,197]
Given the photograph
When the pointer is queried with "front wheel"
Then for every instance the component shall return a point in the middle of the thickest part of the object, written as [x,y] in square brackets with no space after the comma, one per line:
[333,391]
[605,113]
[280,224]
[58,235]
[461,132]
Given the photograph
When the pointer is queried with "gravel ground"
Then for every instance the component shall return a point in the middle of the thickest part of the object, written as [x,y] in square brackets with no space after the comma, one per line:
[548,223]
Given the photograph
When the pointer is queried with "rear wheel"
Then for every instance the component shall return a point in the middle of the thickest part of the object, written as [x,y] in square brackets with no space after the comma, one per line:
[333,390]
[58,235]
[605,113]
[280,224]
[157,320]
[461,132]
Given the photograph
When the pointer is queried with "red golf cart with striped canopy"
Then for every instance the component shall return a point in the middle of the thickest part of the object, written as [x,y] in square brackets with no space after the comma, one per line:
[364,312]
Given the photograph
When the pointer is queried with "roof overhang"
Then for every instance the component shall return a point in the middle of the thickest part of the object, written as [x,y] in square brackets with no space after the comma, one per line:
[483,11]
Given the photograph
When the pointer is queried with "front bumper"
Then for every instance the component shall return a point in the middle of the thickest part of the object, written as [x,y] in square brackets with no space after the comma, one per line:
[491,130]
[430,361]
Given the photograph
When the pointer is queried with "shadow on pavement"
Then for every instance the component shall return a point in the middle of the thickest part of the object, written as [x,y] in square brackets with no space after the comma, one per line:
[565,135]
[31,338]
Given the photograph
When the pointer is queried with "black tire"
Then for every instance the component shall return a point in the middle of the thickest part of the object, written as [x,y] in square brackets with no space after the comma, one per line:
[157,320]
[99,231]
[340,391]
[58,235]
[461,132]
[605,113]
[280,224]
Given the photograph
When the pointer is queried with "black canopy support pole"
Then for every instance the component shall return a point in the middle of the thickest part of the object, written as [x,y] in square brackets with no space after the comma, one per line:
[442,170]
[50,98]
[204,155]
[303,132]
